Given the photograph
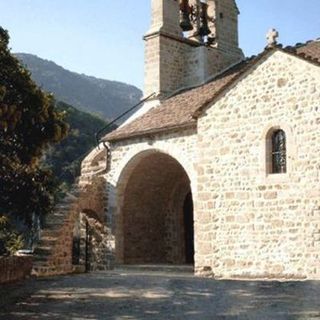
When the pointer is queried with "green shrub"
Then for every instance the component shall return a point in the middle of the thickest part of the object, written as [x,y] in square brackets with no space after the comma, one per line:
[10,240]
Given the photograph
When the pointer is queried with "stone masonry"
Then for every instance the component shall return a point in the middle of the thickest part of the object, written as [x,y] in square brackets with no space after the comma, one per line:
[15,268]
[248,223]
[252,223]
[85,207]
[173,61]
[149,182]
[189,179]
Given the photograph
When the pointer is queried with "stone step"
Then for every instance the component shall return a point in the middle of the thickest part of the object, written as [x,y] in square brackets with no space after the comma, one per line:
[67,202]
[53,226]
[58,214]
[48,237]
[45,233]
[47,242]
[40,261]
[42,251]
[51,231]
[43,270]
[55,220]
[62,205]
[157,268]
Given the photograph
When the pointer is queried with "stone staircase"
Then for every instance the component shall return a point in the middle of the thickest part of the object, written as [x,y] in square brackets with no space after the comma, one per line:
[52,254]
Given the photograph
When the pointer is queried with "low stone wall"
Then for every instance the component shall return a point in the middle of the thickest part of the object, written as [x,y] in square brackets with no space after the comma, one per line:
[15,268]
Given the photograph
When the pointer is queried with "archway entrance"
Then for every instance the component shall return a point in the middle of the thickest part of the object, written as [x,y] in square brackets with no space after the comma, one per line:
[155,218]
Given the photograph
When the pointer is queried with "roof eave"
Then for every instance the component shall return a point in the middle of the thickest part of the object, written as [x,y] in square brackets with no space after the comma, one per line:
[139,134]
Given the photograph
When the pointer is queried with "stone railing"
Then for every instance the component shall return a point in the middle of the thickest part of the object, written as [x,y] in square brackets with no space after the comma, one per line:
[15,268]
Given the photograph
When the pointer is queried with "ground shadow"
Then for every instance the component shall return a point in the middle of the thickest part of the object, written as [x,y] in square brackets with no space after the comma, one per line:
[113,296]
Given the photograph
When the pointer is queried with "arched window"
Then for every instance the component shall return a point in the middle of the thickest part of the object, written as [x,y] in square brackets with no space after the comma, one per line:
[279,152]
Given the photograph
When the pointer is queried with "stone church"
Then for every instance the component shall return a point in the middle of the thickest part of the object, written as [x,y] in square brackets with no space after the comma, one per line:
[220,168]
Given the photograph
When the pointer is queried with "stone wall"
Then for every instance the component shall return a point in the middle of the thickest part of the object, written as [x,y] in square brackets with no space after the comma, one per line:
[94,164]
[227,26]
[250,223]
[172,64]
[15,268]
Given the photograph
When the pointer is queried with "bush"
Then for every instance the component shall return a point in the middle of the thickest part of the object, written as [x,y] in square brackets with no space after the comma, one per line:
[10,240]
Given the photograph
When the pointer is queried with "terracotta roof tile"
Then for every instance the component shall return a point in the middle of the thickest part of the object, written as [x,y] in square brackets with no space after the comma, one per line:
[181,109]
[310,50]
[178,110]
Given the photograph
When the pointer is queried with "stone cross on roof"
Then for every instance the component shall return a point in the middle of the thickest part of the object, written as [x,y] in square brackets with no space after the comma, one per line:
[272,36]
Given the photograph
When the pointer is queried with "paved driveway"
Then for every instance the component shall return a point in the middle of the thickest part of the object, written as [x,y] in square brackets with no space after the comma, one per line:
[157,296]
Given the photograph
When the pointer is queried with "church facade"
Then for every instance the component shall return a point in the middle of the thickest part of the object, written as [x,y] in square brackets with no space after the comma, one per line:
[220,168]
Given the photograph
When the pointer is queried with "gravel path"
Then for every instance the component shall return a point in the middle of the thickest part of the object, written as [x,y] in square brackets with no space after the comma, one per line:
[157,296]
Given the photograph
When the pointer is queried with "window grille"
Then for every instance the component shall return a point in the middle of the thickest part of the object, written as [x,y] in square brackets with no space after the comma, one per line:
[279,152]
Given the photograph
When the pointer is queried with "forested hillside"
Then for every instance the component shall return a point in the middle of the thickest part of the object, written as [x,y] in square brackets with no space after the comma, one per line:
[106,98]
[64,159]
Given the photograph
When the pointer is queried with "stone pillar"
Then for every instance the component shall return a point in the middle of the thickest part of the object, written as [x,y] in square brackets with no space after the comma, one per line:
[162,49]
[165,17]
[226,26]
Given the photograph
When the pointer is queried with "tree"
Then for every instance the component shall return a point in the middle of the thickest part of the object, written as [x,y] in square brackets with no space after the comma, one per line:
[29,123]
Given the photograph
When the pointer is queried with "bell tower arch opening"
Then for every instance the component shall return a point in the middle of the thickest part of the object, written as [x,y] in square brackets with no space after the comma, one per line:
[154,222]
[188,42]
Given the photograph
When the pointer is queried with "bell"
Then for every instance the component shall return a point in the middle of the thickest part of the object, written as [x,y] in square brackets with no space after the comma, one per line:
[203,28]
[185,22]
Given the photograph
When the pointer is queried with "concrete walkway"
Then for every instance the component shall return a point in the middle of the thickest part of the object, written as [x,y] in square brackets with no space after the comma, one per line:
[157,296]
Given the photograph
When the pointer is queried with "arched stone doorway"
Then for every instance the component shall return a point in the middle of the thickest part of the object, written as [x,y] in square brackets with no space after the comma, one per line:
[154,222]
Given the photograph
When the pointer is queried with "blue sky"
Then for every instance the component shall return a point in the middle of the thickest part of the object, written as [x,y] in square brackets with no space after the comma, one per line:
[103,38]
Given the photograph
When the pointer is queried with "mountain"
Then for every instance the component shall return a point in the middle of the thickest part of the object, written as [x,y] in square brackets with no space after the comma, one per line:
[106,98]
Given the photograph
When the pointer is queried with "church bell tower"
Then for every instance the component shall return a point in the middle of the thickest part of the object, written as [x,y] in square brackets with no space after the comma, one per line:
[188,42]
